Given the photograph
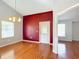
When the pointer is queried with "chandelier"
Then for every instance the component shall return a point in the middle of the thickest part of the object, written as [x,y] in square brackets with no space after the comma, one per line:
[15,18]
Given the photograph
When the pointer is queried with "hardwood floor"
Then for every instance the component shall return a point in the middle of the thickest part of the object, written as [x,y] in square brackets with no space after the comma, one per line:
[25,50]
[68,50]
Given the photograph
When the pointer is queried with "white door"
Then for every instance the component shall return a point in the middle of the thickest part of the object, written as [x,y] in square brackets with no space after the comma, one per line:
[44,32]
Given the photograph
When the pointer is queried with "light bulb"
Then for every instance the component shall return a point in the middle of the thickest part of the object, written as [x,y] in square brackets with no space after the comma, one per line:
[19,19]
[10,18]
[14,19]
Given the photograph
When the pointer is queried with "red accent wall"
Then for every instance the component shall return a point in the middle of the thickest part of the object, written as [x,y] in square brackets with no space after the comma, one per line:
[31,25]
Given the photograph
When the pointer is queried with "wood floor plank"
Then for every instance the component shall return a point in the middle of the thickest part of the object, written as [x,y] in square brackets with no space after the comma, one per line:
[68,50]
[25,50]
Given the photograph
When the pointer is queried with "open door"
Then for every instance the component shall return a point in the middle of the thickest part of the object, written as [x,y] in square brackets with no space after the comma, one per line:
[44,32]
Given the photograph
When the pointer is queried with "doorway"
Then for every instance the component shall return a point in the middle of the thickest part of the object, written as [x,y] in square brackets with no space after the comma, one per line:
[44,32]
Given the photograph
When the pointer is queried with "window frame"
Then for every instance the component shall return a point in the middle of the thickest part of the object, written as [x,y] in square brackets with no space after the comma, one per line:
[7,29]
[64,31]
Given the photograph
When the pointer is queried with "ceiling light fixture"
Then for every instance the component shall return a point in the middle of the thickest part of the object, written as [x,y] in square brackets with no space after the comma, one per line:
[15,18]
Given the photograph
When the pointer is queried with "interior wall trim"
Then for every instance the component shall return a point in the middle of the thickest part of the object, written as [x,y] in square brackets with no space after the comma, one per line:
[36,42]
[10,43]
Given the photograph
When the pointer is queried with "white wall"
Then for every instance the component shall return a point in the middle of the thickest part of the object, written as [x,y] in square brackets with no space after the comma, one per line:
[75,30]
[72,30]
[5,12]
[55,27]
[55,33]
[68,31]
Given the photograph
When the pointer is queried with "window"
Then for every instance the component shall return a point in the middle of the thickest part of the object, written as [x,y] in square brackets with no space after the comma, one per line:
[7,29]
[61,30]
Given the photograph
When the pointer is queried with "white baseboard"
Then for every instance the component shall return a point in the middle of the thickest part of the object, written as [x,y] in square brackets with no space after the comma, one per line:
[75,40]
[35,42]
[23,41]
[65,40]
[10,43]
[30,41]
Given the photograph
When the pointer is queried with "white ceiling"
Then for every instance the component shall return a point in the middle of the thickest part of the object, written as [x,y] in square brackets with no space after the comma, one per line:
[64,10]
[61,5]
[26,7]
[71,14]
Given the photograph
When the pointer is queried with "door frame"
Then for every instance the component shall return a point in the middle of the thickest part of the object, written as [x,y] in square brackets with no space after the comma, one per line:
[49,31]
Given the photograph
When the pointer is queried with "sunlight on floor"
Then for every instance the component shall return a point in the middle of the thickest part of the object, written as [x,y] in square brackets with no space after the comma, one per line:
[61,49]
[8,55]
